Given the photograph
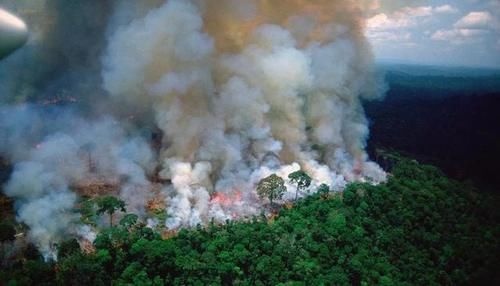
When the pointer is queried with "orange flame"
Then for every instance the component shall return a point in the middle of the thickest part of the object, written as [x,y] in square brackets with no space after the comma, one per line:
[226,200]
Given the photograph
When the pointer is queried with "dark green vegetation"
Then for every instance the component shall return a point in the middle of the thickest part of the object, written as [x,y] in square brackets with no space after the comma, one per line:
[271,187]
[447,117]
[302,180]
[110,205]
[420,228]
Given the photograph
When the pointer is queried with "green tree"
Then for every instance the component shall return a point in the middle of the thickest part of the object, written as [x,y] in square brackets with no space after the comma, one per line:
[80,269]
[68,247]
[301,179]
[88,211]
[323,191]
[272,187]
[129,220]
[110,205]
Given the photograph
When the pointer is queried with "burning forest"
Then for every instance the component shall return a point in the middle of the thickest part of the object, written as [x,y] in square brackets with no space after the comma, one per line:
[181,107]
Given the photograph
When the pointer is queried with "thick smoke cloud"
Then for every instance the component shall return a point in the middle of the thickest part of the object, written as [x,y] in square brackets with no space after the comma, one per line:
[78,154]
[189,103]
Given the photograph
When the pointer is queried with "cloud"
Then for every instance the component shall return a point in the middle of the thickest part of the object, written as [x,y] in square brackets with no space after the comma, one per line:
[406,17]
[421,11]
[403,18]
[446,9]
[458,36]
[476,20]
[389,6]
[471,28]
[385,36]
[394,26]
[442,31]
[382,21]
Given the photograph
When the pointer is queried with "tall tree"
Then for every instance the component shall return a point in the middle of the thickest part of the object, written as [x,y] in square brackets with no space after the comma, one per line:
[110,205]
[323,190]
[301,179]
[272,187]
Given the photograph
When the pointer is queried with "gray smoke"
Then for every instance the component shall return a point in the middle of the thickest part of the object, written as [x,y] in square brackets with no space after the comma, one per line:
[236,90]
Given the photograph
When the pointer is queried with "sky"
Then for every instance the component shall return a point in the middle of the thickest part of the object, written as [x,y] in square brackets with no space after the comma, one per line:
[436,32]
[431,32]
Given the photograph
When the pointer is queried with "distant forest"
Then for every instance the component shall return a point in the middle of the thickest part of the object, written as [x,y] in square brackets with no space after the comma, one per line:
[445,116]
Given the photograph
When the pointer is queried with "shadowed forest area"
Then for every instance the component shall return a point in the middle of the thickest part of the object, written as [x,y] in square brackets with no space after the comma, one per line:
[444,116]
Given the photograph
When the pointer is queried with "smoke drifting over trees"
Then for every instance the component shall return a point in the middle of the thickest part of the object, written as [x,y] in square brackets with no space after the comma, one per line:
[236,90]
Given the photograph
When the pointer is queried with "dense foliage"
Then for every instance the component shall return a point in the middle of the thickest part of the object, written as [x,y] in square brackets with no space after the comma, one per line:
[420,228]
[445,116]
[271,187]
[302,180]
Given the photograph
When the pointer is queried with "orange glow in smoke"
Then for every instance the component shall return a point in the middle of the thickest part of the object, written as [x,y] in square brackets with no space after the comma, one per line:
[226,199]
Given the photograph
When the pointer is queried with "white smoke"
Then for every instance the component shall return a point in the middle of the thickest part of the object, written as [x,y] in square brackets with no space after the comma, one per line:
[44,183]
[233,109]
[236,90]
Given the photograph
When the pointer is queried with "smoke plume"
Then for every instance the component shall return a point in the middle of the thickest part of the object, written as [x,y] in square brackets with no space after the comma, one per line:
[184,104]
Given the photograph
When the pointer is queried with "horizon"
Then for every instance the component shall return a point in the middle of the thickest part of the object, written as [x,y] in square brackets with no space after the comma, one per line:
[402,62]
